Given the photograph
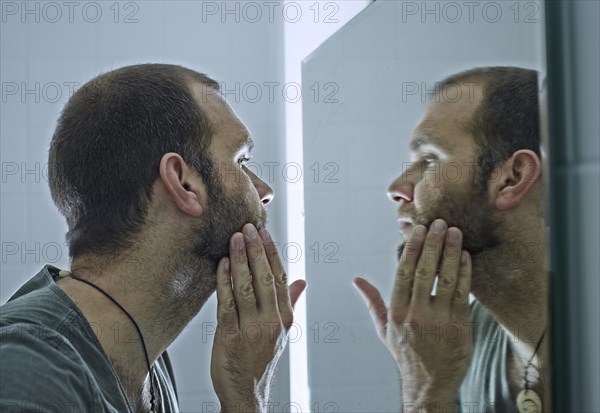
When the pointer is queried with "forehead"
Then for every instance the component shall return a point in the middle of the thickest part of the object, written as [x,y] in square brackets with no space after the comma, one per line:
[229,132]
[445,123]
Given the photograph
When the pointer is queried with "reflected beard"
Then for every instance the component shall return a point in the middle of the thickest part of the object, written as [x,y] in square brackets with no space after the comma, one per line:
[471,214]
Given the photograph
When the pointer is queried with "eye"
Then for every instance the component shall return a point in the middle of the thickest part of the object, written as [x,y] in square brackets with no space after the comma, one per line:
[428,159]
[243,160]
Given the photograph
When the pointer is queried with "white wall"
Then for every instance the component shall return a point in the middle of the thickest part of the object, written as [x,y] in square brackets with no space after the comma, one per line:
[361,140]
[300,40]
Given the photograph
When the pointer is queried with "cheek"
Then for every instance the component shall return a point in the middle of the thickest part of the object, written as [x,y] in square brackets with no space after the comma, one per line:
[446,177]
[426,192]
[250,189]
[454,174]
[236,180]
[245,188]
[431,196]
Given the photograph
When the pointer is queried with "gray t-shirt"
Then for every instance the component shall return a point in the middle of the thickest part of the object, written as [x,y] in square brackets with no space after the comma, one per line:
[485,388]
[51,360]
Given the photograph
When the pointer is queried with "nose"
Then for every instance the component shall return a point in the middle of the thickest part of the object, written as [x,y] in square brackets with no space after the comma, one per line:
[401,188]
[265,192]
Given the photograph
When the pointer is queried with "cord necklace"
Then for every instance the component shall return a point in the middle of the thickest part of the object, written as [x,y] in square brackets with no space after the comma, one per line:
[65,273]
[527,399]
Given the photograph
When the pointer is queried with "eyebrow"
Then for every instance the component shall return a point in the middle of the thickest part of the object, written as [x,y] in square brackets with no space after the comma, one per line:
[245,142]
[429,138]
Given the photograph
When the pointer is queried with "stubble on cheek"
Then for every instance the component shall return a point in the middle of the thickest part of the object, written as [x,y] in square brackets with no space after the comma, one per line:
[430,204]
[461,205]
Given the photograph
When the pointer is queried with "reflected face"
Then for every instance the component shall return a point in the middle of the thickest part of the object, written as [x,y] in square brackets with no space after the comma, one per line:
[236,195]
[441,181]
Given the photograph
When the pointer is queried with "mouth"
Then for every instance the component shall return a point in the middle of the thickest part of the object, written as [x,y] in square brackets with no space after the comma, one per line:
[405,224]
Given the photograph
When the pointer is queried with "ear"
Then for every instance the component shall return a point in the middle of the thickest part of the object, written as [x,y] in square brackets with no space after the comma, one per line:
[515,178]
[182,184]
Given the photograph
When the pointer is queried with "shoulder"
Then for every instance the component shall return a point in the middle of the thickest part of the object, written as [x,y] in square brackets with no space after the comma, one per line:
[484,386]
[166,380]
[483,323]
[37,302]
[41,368]
[479,312]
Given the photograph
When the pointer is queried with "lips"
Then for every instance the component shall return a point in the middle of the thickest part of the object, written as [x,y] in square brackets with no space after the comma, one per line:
[405,224]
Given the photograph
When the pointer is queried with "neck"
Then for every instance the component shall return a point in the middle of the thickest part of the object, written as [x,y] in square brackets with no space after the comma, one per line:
[512,282]
[516,296]
[162,293]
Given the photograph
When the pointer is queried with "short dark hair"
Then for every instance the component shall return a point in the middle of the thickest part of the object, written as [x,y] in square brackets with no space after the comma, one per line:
[507,119]
[106,149]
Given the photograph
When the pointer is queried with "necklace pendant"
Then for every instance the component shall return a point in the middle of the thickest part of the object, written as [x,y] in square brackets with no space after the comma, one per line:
[528,401]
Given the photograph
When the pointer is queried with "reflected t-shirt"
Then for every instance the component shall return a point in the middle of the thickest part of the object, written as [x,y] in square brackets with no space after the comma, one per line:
[485,388]
[53,362]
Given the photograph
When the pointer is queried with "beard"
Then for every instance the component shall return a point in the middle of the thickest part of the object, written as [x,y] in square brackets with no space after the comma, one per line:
[471,213]
[195,262]
[226,214]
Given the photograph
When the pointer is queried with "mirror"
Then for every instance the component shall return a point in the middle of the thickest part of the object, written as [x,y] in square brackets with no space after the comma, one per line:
[386,66]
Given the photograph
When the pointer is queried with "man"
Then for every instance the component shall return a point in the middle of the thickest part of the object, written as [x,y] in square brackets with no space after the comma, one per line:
[476,184]
[147,166]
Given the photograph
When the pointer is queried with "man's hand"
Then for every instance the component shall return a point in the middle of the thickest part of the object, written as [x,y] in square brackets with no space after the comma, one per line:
[429,336]
[254,314]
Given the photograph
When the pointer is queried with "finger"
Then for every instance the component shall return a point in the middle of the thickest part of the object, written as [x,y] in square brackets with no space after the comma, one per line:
[295,290]
[226,308]
[375,304]
[463,286]
[262,277]
[403,283]
[428,263]
[284,302]
[448,275]
[243,290]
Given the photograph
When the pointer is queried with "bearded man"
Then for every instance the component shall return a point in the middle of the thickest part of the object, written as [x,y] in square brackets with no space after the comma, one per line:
[471,209]
[147,164]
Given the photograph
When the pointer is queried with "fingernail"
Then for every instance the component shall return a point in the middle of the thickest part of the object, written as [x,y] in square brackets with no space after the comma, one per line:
[250,231]
[264,234]
[453,235]
[438,226]
[463,257]
[226,263]
[420,231]
[239,243]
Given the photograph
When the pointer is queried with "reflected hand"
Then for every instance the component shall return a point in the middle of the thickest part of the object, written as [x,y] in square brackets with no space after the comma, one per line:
[254,314]
[428,336]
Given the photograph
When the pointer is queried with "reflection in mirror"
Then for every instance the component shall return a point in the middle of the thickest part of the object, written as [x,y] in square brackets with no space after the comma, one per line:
[446,113]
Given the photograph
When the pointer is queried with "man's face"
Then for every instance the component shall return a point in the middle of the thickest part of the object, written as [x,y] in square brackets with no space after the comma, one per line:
[441,181]
[237,196]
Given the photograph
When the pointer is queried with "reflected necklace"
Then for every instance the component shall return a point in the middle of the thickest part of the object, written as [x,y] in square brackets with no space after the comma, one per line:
[65,273]
[527,399]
